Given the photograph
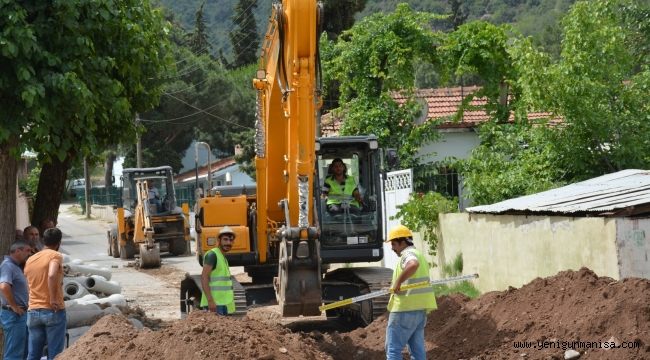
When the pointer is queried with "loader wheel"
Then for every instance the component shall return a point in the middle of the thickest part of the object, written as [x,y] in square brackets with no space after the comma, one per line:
[127,251]
[178,246]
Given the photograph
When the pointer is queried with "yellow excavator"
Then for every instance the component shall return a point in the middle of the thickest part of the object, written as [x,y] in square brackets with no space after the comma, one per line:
[287,239]
[148,222]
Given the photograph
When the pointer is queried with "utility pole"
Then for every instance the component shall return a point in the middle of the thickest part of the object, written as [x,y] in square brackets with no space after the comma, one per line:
[196,165]
[87,187]
[209,165]
[138,146]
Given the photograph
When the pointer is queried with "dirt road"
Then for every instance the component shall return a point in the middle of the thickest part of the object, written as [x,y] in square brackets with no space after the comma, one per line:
[156,291]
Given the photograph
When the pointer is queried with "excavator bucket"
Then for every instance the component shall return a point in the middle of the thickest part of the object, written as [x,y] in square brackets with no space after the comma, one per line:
[149,256]
[298,285]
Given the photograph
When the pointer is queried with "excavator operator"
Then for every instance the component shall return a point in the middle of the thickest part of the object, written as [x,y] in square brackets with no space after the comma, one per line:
[338,186]
[218,295]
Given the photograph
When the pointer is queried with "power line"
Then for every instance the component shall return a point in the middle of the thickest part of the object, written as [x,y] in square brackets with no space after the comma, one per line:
[180,117]
[207,113]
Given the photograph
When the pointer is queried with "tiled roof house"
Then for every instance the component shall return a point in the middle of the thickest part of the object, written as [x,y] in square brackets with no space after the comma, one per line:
[441,103]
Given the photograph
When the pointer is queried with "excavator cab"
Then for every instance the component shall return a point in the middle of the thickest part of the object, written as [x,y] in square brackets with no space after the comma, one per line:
[350,229]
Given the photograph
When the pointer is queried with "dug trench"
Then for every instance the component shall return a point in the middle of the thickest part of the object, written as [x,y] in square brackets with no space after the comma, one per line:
[547,317]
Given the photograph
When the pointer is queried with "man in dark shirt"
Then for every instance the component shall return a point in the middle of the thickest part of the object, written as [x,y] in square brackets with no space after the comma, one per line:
[14,296]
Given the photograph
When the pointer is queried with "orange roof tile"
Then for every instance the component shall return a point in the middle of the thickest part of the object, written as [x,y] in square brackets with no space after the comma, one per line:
[442,103]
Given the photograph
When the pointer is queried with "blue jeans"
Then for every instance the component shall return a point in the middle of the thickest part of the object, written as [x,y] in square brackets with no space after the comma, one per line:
[14,328]
[45,326]
[221,309]
[406,328]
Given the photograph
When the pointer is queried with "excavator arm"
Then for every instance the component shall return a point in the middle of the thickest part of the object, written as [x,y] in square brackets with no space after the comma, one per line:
[288,100]
[143,232]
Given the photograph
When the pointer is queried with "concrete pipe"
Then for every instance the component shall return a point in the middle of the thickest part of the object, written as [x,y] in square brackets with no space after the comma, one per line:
[74,290]
[115,299]
[97,283]
[87,270]
[82,317]
[80,279]
[81,300]
[112,310]
[76,333]
[83,307]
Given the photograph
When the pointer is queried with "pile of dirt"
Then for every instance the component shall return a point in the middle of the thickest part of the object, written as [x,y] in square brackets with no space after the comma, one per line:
[551,315]
[201,335]
[571,310]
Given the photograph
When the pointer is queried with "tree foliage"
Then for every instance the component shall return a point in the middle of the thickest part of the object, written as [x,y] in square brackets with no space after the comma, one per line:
[422,212]
[198,39]
[244,36]
[598,87]
[78,72]
[338,15]
[375,59]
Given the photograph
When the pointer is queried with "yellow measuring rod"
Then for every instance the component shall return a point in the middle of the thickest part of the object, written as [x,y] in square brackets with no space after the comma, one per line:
[388,291]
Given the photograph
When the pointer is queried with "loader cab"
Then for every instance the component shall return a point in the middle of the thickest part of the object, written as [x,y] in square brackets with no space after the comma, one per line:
[162,199]
[351,231]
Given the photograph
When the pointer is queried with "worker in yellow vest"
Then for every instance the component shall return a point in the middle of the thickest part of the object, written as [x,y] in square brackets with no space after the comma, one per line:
[408,309]
[218,295]
[339,186]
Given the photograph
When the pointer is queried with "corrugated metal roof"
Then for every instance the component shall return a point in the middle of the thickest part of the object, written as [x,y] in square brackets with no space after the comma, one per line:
[626,192]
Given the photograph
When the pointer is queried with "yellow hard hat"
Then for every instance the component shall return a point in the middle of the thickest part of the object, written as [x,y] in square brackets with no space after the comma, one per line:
[399,231]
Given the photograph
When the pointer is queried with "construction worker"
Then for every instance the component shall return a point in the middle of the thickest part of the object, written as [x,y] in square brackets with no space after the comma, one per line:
[46,315]
[408,309]
[337,185]
[215,276]
[14,295]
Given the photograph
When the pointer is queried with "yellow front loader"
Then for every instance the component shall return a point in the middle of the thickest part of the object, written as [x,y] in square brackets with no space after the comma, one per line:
[148,223]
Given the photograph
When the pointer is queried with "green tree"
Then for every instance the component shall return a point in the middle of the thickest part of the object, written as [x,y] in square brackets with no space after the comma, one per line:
[371,61]
[243,37]
[338,15]
[599,86]
[458,14]
[512,160]
[74,75]
[198,40]
[479,49]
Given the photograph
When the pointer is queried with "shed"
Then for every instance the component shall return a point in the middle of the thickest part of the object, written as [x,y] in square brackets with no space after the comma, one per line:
[602,223]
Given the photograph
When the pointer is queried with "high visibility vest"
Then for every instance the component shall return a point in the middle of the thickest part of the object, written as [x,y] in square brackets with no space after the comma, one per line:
[220,284]
[337,189]
[414,299]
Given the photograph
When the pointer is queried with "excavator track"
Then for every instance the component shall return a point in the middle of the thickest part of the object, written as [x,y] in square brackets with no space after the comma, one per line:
[240,298]
[350,282]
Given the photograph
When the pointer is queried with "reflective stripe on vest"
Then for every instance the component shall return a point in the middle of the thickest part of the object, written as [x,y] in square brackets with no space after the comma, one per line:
[220,284]
[413,299]
[336,189]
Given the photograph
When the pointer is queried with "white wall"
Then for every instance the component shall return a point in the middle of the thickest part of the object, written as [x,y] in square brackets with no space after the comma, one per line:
[457,143]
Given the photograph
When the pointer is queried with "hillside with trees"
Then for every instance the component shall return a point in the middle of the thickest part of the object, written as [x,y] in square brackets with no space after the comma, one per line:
[537,18]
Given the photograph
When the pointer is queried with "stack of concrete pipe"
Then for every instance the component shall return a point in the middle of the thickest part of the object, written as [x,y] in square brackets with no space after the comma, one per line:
[89,293]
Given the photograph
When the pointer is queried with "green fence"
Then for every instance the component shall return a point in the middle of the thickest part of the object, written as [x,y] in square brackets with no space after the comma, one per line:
[113,196]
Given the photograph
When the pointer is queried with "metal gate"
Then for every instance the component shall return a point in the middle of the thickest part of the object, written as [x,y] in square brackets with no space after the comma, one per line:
[398,186]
